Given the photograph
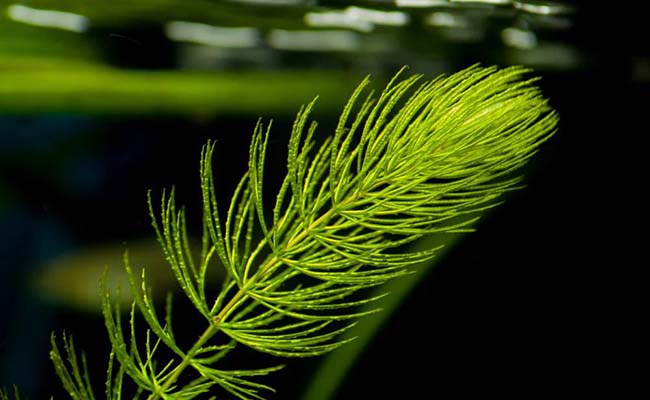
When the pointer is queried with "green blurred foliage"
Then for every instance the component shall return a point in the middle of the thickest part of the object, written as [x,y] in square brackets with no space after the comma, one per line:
[51,70]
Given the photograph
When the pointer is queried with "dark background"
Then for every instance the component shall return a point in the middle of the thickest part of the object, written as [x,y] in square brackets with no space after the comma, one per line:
[536,302]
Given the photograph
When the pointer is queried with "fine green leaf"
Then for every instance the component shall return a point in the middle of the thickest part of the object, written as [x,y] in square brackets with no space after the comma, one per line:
[334,368]
[5,395]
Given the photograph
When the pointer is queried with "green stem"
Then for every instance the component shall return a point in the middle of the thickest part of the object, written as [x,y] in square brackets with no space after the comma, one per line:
[213,329]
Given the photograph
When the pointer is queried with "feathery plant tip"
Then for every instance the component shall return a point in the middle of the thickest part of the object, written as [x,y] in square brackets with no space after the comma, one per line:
[419,158]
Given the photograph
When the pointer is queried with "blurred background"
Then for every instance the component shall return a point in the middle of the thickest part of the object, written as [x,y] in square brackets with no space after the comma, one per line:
[101,101]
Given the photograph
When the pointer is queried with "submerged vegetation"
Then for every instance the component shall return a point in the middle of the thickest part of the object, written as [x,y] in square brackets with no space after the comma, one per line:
[417,159]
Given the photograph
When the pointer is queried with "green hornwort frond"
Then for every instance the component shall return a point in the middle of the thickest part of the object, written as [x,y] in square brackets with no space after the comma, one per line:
[5,395]
[418,159]
[75,379]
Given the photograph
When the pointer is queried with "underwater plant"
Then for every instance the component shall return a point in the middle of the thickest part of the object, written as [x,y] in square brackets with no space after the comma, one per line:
[419,158]
[5,395]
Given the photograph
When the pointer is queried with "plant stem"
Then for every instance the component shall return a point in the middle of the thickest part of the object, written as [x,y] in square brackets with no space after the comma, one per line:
[207,335]
[213,329]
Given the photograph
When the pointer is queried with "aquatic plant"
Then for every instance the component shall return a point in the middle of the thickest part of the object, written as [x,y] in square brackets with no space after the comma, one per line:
[419,158]
[5,395]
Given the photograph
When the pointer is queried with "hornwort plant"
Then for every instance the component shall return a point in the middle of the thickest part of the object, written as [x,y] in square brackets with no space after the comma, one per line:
[419,158]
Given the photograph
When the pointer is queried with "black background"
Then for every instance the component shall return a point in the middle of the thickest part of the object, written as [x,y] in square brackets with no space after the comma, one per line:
[540,301]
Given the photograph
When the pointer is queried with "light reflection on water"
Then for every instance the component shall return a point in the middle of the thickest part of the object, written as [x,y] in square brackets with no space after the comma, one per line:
[229,37]
[47,18]
[362,19]
[424,29]
[435,29]
[314,40]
